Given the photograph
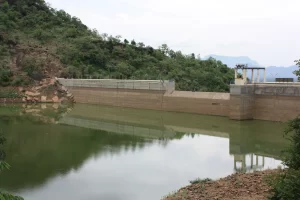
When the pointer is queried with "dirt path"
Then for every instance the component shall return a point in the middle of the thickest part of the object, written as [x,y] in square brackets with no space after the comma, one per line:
[250,186]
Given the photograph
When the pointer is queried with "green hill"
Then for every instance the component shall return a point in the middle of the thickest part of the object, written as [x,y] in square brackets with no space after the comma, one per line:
[37,41]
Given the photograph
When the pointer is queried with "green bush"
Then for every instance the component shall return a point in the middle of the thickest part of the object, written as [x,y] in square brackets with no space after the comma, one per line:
[17,81]
[30,65]
[292,155]
[286,186]
[5,75]
[199,180]
[9,94]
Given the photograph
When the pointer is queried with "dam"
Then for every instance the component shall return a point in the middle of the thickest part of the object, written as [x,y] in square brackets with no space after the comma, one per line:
[263,101]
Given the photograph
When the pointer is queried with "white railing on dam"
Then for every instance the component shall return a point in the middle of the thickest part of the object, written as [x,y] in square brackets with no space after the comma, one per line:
[163,85]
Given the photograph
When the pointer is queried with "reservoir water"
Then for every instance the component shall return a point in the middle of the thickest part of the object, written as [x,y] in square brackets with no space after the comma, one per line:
[97,152]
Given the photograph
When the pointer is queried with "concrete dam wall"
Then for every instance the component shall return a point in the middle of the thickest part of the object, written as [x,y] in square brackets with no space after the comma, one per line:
[273,102]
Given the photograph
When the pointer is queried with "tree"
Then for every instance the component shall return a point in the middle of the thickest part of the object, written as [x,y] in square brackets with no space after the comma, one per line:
[297,72]
[164,49]
[193,56]
[104,36]
[133,43]
[141,45]
[126,41]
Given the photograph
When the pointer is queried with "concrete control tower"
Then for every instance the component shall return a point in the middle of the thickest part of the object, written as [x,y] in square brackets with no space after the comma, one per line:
[242,79]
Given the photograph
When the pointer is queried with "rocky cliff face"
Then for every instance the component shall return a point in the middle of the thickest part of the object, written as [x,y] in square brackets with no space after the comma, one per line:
[35,67]
[47,91]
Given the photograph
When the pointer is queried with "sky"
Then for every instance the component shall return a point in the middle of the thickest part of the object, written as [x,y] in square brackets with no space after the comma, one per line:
[265,30]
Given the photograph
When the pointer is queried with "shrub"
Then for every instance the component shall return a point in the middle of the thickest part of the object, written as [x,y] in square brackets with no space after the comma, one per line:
[30,65]
[199,180]
[9,94]
[291,156]
[286,185]
[5,75]
[17,81]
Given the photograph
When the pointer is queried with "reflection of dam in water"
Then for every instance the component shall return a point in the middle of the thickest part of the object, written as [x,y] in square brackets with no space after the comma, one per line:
[119,128]
[241,159]
[256,139]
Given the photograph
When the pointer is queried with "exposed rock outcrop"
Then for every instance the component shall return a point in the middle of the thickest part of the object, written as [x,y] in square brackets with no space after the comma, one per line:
[47,91]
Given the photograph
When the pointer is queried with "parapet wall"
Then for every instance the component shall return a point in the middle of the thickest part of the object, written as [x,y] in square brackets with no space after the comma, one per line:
[160,85]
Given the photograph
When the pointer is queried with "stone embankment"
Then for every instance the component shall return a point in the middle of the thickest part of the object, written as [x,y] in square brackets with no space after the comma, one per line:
[241,186]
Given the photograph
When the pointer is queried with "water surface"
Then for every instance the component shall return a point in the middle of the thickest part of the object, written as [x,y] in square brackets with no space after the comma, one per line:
[97,152]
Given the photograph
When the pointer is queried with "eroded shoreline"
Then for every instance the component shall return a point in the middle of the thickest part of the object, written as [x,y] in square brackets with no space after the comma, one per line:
[242,186]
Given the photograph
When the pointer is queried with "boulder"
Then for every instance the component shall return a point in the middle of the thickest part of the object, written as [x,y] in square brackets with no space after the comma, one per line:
[43,99]
[38,88]
[32,94]
[64,100]
[52,81]
[36,99]
[55,99]
[64,88]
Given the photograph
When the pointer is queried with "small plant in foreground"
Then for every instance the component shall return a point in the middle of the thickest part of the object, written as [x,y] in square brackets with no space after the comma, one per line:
[199,180]
[286,185]
[171,194]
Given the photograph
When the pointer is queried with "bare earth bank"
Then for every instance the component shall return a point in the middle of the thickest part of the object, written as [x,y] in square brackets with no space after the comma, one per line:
[242,186]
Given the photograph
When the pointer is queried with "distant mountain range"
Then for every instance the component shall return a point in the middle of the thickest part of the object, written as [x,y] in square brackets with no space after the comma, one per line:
[272,71]
[231,61]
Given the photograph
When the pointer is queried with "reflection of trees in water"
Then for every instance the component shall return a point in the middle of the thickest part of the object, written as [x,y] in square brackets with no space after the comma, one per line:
[2,153]
[39,113]
[46,150]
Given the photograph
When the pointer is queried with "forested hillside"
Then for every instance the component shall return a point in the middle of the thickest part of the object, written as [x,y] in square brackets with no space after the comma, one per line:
[37,41]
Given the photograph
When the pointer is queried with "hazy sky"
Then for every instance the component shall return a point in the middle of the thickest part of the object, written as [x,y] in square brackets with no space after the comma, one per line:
[267,31]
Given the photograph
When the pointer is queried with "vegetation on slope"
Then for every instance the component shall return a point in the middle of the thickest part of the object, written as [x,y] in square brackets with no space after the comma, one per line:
[37,41]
